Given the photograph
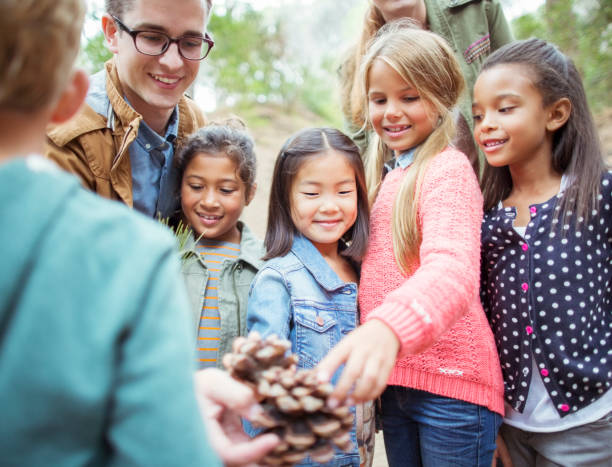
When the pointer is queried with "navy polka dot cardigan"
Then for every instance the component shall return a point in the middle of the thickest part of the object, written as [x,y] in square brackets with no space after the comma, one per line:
[549,295]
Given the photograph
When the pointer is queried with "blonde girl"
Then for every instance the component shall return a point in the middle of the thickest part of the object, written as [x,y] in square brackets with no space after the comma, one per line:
[425,334]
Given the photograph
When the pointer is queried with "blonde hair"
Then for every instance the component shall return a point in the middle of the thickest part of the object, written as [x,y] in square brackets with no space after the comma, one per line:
[424,60]
[351,83]
[40,40]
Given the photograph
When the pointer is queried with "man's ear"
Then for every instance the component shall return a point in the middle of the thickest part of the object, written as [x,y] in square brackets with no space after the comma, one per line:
[558,114]
[251,194]
[72,97]
[111,33]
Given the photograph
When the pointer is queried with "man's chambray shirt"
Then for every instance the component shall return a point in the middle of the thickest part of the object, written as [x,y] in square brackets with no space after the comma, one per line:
[549,295]
[154,178]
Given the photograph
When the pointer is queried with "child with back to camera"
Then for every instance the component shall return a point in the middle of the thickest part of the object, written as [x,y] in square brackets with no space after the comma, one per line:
[217,180]
[425,333]
[317,233]
[95,349]
[546,255]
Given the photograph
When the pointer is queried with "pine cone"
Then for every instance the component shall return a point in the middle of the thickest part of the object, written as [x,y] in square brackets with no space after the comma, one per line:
[294,401]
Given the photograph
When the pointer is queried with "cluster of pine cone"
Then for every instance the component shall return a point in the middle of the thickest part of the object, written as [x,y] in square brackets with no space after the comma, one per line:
[294,401]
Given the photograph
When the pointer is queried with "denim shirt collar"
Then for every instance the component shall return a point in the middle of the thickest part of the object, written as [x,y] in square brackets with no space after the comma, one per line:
[403,160]
[307,253]
[146,135]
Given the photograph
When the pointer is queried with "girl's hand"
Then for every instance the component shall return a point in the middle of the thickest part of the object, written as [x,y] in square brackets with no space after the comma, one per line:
[501,455]
[369,354]
[222,400]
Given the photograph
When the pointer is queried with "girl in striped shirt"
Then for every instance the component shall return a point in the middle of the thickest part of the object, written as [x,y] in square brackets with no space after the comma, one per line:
[222,256]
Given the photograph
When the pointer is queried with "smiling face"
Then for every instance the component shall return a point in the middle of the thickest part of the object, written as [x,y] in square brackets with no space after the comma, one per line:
[213,196]
[323,198]
[510,119]
[154,84]
[399,115]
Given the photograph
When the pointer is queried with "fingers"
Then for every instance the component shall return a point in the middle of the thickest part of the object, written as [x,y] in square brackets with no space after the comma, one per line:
[232,444]
[335,357]
[368,354]
[373,379]
[503,453]
[494,460]
[221,389]
[249,451]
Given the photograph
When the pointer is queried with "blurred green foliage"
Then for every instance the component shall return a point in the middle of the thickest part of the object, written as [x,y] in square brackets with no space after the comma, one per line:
[94,53]
[583,30]
[252,61]
[245,63]
[251,64]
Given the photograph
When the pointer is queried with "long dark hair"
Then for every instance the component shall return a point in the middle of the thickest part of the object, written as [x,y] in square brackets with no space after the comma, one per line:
[576,152]
[304,144]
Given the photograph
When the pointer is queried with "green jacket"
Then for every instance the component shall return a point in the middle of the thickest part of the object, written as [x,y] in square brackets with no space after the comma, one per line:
[473,29]
[234,282]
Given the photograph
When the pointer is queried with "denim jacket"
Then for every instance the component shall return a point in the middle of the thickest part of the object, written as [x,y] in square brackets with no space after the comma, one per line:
[234,282]
[300,298]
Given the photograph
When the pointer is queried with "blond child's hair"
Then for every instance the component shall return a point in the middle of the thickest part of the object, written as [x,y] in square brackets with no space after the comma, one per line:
[424,60]
[351,83]
[40,40]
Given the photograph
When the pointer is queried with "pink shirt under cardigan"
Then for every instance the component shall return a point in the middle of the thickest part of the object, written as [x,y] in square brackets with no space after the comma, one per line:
[447,346]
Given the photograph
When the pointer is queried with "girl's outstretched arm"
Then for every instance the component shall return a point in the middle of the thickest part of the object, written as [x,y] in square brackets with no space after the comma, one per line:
[369,354]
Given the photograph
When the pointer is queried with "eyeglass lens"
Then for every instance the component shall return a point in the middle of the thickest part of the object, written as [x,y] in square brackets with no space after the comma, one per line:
[153,43]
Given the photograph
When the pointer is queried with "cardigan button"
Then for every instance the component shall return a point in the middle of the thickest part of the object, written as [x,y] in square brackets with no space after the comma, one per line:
[533,210]
[544,372]
[524,247]
[529,330]
[564,408]
[525,286]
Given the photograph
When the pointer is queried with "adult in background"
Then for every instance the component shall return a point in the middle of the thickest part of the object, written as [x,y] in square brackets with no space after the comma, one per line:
[473,28]
[122,143]
[95,344]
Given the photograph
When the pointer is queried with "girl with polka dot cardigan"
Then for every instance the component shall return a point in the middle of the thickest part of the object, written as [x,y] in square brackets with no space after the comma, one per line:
[546,255]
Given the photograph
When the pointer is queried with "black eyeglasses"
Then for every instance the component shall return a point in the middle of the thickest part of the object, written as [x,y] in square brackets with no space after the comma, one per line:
[156,42]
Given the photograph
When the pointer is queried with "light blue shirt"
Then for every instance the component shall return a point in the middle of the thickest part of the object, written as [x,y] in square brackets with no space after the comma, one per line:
[299,297]
[154,180]
[403,160]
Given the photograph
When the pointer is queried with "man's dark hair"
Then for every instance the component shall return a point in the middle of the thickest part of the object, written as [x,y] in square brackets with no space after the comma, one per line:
[118,7]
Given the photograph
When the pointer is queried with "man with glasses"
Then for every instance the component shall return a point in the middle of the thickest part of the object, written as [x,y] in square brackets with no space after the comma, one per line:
[136,115]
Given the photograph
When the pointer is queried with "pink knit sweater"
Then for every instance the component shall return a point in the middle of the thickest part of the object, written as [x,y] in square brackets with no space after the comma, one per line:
[447,347]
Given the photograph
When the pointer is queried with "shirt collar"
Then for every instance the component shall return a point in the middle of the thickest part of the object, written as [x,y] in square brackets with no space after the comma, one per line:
[315,263]
[565,182]
[403,160]
[152,140]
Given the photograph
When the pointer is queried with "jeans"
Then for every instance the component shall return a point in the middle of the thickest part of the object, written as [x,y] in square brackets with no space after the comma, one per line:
[423,429]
